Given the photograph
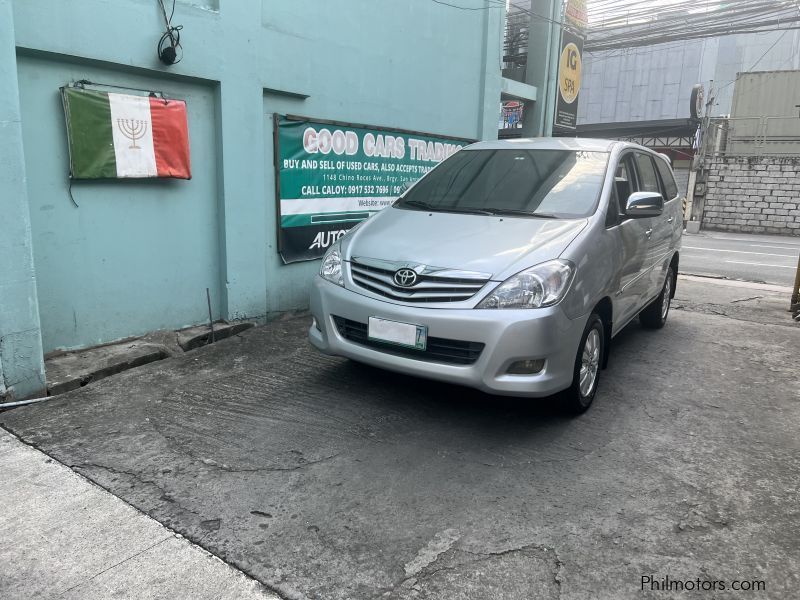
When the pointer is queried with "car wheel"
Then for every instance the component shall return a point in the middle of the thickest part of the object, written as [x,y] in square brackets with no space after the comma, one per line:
[655,315]
[588,362]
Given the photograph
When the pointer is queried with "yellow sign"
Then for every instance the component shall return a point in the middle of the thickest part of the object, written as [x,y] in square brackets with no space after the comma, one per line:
[569,73]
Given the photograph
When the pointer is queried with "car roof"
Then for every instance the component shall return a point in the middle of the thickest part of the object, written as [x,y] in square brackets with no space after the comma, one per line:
[547,143]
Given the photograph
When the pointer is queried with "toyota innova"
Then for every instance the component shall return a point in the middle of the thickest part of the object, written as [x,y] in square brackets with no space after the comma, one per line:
[508,268]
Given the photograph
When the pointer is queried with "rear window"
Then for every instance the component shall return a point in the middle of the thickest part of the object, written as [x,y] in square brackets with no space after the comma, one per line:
[670,187]
[562,183]
[648,180]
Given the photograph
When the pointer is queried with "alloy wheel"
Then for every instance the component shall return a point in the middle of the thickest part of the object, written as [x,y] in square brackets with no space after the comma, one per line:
[667,296]
[590,363]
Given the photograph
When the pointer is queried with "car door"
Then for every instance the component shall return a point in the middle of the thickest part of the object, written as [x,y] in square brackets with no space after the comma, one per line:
[673,208]
[660,231]
[634,245]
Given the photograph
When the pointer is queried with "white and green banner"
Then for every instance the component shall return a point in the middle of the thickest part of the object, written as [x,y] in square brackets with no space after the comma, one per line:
[331,176]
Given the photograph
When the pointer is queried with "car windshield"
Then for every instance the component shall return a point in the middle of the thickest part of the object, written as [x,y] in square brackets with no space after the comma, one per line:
[517,182]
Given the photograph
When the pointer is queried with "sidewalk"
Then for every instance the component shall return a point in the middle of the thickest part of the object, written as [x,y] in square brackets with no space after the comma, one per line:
[741,300]
[63,537]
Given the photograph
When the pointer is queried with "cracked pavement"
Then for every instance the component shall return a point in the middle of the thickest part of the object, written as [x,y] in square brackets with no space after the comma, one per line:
[326,479]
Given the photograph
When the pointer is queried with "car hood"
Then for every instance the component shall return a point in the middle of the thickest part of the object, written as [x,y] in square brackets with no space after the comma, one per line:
[500,246]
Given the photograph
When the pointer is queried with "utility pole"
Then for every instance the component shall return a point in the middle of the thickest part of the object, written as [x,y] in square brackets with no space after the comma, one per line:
[694,214]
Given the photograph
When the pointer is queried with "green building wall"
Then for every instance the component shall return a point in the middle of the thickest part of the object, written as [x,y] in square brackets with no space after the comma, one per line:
[133,257]
[21,367]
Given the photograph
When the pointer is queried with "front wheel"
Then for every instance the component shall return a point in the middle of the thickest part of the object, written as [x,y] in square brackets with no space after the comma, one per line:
[655,315]
[580,395]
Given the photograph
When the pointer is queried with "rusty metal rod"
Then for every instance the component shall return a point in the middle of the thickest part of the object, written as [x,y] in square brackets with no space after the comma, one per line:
[795,304]
[210,318]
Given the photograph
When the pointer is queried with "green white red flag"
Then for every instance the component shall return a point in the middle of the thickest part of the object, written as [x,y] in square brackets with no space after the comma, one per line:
[125,136]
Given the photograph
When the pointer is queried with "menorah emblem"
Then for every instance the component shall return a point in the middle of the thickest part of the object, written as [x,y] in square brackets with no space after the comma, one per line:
[133,129]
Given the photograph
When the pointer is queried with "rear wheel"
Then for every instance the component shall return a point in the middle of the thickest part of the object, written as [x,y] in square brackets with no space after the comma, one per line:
[580,395]
[655,315]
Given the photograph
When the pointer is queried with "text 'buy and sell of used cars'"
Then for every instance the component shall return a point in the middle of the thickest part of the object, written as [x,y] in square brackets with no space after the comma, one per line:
[508,268]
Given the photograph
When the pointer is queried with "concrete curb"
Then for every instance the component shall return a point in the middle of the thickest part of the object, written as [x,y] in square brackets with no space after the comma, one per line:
[67,371]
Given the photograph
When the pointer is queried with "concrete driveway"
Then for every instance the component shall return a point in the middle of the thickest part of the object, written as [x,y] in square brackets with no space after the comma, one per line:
[325,479]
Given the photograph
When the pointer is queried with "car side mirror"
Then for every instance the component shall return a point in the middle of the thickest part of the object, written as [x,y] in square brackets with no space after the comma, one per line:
[644,204]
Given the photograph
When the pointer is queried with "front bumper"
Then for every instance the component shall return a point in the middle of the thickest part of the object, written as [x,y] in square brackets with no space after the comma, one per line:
[508,335]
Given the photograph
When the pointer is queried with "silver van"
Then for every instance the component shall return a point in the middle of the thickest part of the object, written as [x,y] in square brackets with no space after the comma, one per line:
[508,268]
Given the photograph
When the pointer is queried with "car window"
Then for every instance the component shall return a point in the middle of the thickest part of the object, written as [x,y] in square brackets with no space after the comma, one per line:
[564,183]
[668,179]
[648,180]
[624,183]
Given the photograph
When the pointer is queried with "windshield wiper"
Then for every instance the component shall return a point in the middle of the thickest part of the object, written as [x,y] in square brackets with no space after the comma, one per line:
[431,207]
[520,213]
[418,204]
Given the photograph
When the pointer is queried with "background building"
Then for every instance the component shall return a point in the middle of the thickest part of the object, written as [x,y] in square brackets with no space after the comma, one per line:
[749,163]
[128,257]
[655,82]
[644,94]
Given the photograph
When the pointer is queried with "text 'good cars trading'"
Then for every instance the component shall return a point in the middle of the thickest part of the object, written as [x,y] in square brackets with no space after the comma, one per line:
[509,267]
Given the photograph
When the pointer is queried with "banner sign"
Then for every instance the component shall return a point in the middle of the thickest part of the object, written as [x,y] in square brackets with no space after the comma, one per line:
[331,176]
[576,15]
[570,68]
[125,136]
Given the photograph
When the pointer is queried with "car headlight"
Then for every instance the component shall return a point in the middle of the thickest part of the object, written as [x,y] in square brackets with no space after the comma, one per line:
[537,287]
[331,267]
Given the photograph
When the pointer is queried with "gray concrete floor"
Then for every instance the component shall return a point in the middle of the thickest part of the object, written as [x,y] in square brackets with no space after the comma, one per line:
[325,479]
[63,537]
[768,258]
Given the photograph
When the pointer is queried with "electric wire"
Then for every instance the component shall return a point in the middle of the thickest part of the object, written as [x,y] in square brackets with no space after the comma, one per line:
[617,24]
[626,24]
[171,38]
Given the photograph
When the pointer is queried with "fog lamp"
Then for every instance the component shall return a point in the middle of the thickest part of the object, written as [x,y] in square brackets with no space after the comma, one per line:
[526,367]
[315,324]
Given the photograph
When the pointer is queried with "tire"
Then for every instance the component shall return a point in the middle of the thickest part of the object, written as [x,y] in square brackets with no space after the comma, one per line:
[656,313]
[588,362]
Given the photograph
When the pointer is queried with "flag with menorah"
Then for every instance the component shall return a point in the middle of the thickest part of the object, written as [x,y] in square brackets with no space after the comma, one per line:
[125,136]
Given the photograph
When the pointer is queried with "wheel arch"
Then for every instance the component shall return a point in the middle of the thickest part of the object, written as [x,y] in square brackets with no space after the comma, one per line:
[674,263]
[605,310]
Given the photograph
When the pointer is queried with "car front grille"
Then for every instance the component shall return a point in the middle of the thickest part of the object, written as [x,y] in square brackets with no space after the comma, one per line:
[442,350]
[438,285]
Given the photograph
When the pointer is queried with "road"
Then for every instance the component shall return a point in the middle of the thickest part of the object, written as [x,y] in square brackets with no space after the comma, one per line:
[764,258]
[325,479]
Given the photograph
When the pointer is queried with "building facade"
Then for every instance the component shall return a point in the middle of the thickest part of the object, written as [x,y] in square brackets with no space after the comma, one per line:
[87,263]
[655,82]
[749,177]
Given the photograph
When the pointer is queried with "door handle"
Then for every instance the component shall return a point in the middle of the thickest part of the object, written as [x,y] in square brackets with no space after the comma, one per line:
[670,220]
[648,232]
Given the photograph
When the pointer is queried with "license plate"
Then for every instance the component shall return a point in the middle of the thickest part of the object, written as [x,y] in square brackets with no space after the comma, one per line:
[401,334]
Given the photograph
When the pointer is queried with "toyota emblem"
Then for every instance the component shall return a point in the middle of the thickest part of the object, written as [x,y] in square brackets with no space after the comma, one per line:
[405,278]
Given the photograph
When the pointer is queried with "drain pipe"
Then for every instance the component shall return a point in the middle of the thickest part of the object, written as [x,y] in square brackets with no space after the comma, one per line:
[24,402]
